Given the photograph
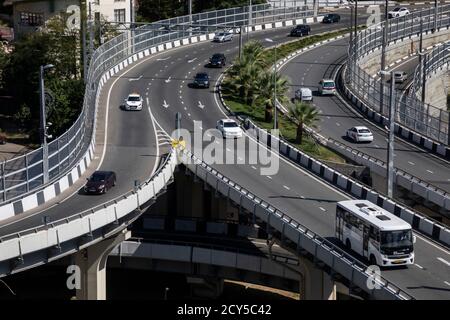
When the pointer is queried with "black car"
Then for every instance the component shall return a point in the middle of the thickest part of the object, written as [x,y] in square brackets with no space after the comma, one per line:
[331,18]
[100,182]
[301,30]
[217,60]
[201,80]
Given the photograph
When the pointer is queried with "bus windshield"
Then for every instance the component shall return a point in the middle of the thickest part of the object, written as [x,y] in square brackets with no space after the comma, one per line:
[396,240]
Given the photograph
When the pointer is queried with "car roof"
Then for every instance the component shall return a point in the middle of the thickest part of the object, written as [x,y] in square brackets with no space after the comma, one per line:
[325,80]
[361,127]
[305,89]
[228,120]
[134,94]
[103,172]
[201,74]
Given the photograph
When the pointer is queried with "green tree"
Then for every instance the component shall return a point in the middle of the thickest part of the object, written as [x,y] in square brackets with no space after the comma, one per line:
[304,115]
[265,90]
[52,44]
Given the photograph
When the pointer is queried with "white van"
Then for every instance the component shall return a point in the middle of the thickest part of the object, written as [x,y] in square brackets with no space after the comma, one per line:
[304,94]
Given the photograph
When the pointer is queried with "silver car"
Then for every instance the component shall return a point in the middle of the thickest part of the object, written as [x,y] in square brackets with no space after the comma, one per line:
[400,76]
[223,36]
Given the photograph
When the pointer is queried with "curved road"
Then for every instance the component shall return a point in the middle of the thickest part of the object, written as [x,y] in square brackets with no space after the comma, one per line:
[294,191]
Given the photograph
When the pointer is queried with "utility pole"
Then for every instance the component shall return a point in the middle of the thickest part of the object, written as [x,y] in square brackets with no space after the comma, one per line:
[43,122]
[435,15]
[391,137]
[383,56]
[250,16]
[83,37]
[390,156]
[240,42]
[424,77]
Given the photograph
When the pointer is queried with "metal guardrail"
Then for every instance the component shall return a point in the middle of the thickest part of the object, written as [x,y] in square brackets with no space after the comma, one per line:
[433,60]
[410,111]
[333,256]
[24,174]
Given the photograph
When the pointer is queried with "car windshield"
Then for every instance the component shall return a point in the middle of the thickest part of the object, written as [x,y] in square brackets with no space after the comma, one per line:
[202,76]
[328,84]
[97,177]
[364,131]
[329,16]
[134,98]
[396,239]
[216,56]
[221,34]
[230,125]
[396,9]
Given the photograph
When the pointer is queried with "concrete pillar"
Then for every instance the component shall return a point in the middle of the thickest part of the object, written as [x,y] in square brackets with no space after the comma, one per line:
[92,264]
[315,283]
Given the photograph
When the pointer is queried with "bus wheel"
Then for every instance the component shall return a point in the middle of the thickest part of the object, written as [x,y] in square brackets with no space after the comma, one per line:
[347,244]
[372,260]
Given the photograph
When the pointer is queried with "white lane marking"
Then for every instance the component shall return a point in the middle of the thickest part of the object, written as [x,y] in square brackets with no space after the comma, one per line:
[411,163]
[323,209]
[162,59]
[200,105]
[377,146]
[135,79]
[269,177]
[192,60]
[429,171]
[447,283]
[189,114]
[182,102]
[286,187]
[444,261]
[165,104]
[253,167]
[338,124]
[418,266]
[155,166]
[168,79]
[228,149]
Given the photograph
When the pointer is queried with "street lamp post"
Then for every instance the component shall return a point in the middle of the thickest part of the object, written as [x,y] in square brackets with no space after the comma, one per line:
[391,136]
[43,122]
[275,113]
[383,55]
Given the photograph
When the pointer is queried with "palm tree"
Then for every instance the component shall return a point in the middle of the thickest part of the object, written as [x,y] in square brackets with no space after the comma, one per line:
[304,115]
[264,91]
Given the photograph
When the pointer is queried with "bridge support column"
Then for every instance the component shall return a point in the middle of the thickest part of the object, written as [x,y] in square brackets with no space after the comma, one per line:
[315,283]
[92,263]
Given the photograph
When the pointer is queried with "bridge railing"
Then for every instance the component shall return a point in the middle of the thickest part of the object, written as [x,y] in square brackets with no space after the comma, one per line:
[436,59]
[22,175]
[425,119]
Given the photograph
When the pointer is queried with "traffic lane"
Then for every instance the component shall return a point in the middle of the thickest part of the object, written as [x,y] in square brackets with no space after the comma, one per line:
[336,117]
[130,153]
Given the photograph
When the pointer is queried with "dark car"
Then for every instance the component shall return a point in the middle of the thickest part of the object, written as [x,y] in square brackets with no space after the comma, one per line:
[201,80]
[301,30]
[217,60]
[331,18]
[100,182]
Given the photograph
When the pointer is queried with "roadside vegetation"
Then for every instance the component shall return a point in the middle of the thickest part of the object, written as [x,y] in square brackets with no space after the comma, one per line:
[248,90]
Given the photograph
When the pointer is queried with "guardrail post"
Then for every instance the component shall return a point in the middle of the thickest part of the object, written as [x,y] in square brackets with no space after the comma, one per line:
[4,180]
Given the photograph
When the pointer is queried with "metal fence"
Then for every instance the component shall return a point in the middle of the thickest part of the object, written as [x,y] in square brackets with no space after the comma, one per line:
[410,111]
[436,59]
[24,174]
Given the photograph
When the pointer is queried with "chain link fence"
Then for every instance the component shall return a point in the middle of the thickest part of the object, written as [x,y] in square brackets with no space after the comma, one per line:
[24,174]
[426,119]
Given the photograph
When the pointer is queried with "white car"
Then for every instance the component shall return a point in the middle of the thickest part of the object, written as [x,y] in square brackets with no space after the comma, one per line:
[133,102]
[400,76]
[229,128]
[304,94]
[398,12]
[360,134]
[223,36]
[327,86]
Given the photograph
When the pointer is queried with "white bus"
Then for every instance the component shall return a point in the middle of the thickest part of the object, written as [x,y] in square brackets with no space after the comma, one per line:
[374,233]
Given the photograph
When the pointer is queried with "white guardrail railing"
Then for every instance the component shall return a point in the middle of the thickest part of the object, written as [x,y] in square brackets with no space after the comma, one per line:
[425,119]
[24,174]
